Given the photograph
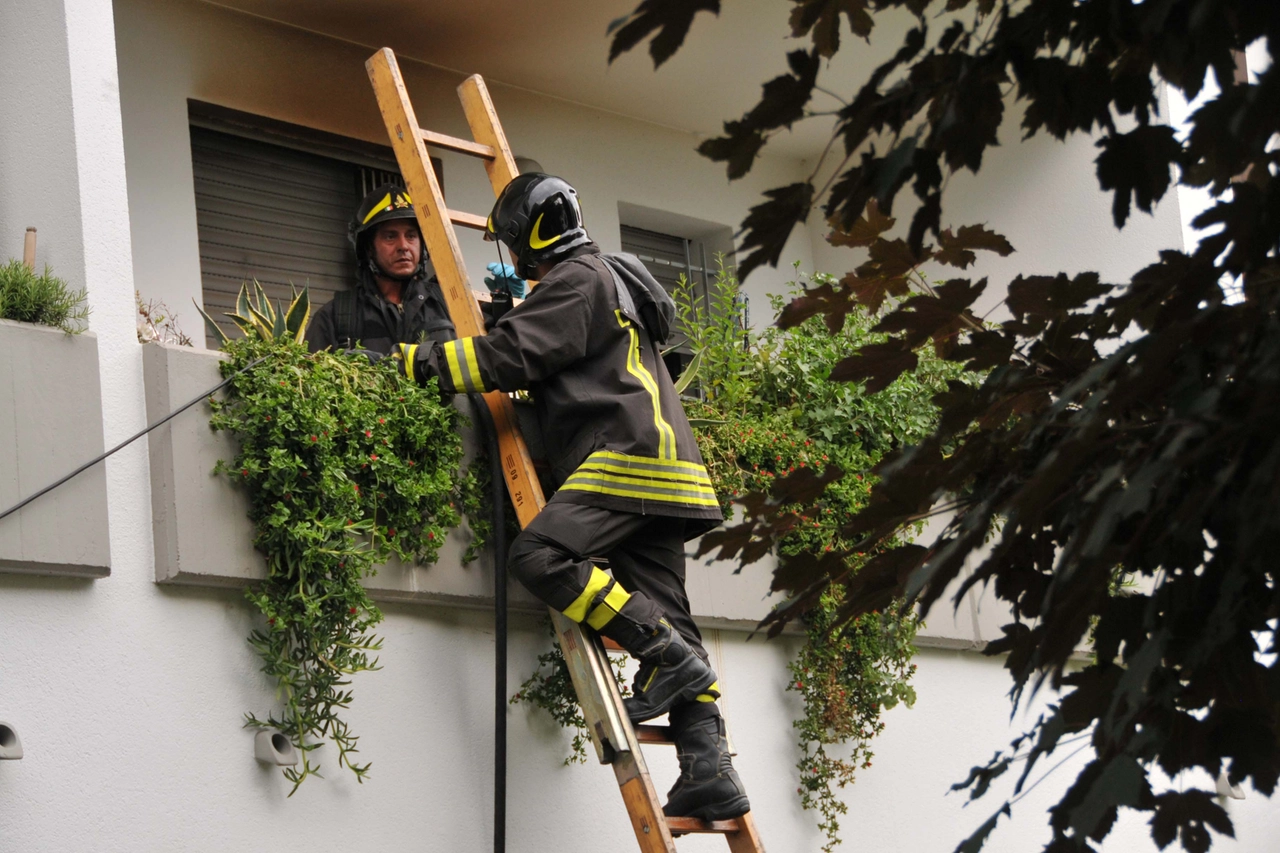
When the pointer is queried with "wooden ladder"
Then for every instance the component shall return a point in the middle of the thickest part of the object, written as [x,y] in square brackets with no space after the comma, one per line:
[617,743]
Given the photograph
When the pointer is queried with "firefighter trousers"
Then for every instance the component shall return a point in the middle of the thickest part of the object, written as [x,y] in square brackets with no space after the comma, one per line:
[556,557]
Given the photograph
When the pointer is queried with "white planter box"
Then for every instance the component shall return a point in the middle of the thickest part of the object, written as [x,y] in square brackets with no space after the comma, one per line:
[50,423]
[202,533]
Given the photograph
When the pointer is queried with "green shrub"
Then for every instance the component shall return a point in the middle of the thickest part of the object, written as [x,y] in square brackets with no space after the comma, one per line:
[346,464]
[44,299]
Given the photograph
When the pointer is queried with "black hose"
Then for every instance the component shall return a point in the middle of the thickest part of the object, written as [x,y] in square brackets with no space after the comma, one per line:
[130,440]
[499,497]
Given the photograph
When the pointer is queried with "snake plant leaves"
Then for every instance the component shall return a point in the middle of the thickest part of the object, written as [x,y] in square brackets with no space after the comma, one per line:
[298,315]
[212,325]
[255,316]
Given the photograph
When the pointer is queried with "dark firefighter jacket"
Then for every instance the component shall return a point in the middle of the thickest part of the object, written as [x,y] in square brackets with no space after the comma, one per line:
[585,344]
[378,324]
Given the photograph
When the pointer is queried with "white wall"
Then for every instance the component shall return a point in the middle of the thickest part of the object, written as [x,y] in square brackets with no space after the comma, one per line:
[37,153]
[129,696]
[172,51]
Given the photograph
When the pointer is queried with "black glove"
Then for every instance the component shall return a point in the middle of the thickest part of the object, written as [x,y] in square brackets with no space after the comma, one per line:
[373,355]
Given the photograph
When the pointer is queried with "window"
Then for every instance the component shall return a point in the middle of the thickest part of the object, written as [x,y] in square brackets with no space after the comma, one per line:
[667,257]
[270,214]
[273,203]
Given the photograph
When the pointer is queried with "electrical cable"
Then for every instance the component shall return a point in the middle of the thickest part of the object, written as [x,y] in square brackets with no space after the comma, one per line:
[498,495]
[130,440]
[499,571]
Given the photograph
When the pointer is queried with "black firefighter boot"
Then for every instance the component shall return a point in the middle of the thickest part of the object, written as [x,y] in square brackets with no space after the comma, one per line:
[708,787]
[671,673]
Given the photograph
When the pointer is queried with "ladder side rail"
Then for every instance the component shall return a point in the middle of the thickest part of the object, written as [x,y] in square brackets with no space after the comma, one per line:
[611,733]
[644,806]
[591,673]
[411,155]
[483,120]
[446,255]
[588,663]
[589,667]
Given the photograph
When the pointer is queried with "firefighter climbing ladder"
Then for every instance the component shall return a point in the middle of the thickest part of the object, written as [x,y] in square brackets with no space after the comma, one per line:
[617,743]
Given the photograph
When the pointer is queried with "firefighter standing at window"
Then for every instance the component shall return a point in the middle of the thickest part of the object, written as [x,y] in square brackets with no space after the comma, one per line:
[396,299]
[631,484]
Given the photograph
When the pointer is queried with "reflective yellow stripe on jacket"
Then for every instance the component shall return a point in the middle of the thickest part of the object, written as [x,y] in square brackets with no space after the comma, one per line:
[464,370]
[666,435]
[663,480]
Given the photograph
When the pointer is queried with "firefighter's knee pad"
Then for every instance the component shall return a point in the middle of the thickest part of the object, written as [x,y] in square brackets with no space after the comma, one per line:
[532,558]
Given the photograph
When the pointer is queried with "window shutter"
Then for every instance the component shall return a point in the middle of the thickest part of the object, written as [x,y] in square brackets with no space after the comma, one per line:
[665,256]
[273,214]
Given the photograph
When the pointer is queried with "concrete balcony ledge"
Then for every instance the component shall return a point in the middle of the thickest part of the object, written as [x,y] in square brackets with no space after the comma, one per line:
[203,536]
[50,423]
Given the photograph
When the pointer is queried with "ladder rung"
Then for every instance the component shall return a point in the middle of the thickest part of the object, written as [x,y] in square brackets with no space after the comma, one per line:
[611,645]
[682,825]
[654,734]
[468,220]
[453,143]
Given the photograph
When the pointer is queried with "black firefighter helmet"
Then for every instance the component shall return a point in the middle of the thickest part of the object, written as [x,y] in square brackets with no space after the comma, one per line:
[382,204]
[538,217]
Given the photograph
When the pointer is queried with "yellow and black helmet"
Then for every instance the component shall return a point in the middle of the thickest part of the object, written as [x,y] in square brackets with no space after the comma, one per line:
[538,217]
[380,205]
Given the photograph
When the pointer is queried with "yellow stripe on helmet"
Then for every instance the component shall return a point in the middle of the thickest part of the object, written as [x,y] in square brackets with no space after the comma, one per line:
[378,208]
[535,240]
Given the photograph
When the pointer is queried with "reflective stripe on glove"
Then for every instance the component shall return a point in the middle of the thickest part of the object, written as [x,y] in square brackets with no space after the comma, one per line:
[407,356]
[503,277]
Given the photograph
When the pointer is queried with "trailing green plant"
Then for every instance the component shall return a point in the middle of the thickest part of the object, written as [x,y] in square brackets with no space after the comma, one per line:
[769,413]
[844,698]
[43,299]
[346,464]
